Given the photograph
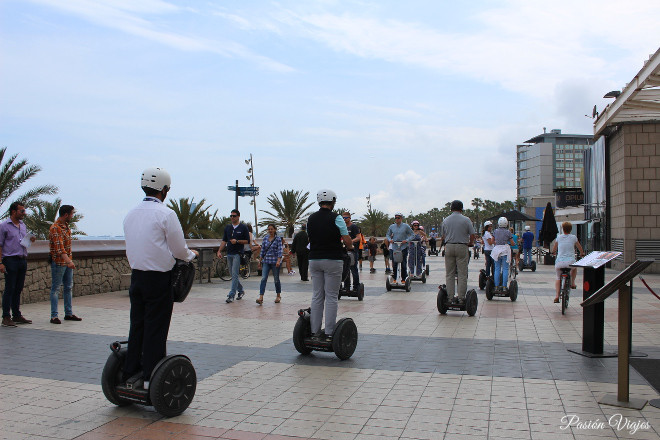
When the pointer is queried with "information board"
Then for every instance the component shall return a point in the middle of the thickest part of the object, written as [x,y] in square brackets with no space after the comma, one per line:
[596,259]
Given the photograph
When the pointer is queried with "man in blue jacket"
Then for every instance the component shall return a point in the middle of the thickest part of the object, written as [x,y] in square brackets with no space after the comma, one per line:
[236,235]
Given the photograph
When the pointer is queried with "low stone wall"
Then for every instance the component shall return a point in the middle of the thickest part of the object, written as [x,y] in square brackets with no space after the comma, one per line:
[92,275]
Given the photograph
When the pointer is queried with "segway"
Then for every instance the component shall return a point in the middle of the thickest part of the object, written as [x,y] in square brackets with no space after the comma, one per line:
[445,303]
[483,279]
[433,250]
[469,305]
[397,258]
[173,380]
[522,266]
[415,248]
[343,342]
[349,260]
[511,291]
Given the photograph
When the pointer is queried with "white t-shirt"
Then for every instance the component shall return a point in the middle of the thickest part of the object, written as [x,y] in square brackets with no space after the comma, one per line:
[566,247]
[487,246]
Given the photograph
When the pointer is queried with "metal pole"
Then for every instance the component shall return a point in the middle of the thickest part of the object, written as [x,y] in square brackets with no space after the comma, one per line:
[237,195]
[254,200]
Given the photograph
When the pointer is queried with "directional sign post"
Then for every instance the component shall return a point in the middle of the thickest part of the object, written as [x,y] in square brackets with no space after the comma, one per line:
[244,191]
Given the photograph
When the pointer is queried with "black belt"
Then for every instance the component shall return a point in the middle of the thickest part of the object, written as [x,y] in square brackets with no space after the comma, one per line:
[20,257]
[464,244]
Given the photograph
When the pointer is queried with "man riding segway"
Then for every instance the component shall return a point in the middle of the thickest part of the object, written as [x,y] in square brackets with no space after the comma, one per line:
[458,235]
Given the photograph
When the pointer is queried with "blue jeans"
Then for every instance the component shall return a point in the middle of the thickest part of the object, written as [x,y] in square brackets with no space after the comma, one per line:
[61,275]
[15,270]
[527,256]
[234,262]
[503,266]
[265,268]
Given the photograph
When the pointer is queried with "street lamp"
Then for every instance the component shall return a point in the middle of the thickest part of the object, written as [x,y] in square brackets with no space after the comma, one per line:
[250,178]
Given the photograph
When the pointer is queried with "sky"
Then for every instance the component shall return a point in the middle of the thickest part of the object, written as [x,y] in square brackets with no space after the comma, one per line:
[414,103]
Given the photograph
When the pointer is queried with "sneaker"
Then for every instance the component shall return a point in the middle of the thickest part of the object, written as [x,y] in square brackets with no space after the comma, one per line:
[240,295]
[55,320]
[293,272]
[7,322]
[229,300]
[394,282]
[372,270]
[21,320]
[72,318]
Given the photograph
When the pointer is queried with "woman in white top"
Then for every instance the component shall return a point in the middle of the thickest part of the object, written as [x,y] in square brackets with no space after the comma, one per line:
[489,243]
[564,248]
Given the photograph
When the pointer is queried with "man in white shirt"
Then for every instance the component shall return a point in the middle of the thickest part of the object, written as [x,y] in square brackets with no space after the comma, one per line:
[154,239]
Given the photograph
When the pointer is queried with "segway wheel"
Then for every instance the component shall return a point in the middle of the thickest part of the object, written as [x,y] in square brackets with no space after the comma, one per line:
[344,338]
[408,284]
[360,292]
[172,386]
[513,290]
[443,252]
[442,300]
[490,289]
[427,271]
[521,266]
[471,302]
[111,377]
[482,279]
[302,330]
[424,277]
[533,266]
[388,285]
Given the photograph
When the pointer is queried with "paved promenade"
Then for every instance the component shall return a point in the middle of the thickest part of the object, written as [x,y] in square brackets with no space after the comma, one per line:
[503,374]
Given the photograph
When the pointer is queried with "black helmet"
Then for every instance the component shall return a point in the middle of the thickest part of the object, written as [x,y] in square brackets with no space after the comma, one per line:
[456,205]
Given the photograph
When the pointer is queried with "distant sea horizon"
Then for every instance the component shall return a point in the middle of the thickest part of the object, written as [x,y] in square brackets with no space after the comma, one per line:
[100,237]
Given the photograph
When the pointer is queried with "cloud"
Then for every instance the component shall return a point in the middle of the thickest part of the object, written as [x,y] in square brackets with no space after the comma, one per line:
[517,45]
[124,16]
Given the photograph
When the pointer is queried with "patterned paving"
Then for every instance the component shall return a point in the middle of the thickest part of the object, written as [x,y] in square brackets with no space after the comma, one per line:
[504,373]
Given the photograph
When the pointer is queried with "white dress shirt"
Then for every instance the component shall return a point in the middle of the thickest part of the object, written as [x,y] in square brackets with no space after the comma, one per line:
[154,237]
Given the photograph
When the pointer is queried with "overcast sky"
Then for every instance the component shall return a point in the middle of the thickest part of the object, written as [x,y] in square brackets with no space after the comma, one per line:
[414,102]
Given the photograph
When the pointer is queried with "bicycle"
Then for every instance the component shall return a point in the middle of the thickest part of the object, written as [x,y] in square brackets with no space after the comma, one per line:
[565,288]
[224,273]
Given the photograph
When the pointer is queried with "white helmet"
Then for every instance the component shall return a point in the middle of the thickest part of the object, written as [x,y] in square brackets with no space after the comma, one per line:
[398,214]
[487,223]
[156,178]
[527,228]
[326,196]
[502,222]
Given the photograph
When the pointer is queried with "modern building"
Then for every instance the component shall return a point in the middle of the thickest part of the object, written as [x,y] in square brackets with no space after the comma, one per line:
[547,163]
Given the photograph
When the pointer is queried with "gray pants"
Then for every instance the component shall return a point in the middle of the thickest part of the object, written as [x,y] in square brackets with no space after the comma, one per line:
[456,256]
[326,278]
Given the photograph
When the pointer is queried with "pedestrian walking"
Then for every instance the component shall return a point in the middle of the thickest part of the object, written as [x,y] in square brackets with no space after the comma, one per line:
[235,236]
[270,259]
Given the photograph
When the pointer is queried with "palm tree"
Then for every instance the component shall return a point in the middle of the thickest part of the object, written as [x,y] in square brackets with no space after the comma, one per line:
[42,216]
[194,217]
[288,209]
[13,175]
[477,203]
[217,226]
[375,223]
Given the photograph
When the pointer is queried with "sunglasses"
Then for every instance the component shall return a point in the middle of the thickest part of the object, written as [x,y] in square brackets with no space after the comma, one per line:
[346,218]
[233,215]
[398,218]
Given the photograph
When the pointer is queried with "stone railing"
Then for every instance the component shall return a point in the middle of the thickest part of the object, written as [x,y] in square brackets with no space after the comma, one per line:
[101,266]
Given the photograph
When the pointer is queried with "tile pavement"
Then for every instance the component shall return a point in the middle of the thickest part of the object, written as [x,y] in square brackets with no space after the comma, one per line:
[504,373]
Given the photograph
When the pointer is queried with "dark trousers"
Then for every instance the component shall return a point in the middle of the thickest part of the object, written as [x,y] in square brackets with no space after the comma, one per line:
[355,273]
[15,270]
[433,242]
[303,265]
[489,264]
[151,312]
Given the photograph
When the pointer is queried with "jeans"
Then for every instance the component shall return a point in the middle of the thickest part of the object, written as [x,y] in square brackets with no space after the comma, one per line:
[457,258]
[404,266]
[501,265]
[354,273]
[61,275]
[326,278]
[265,268]
[15,270]
[527,256]
[489,263]
[234,262]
